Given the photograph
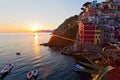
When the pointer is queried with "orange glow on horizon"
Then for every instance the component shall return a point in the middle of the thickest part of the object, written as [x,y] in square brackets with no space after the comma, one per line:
[27,28]
[14,29]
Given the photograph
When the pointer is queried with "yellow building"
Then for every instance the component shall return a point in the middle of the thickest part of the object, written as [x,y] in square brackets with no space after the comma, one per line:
[97,35]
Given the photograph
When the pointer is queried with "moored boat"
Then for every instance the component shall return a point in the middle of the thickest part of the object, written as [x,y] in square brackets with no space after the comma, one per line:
[29,75]
[6,70]
[32,74]
[78,67]
[35,74]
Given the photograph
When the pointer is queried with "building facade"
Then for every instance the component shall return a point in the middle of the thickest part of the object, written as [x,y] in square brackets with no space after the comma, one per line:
[86,32]
[97,34]
[98,21]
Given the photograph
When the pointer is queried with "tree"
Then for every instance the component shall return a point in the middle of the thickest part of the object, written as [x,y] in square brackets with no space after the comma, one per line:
[86,4]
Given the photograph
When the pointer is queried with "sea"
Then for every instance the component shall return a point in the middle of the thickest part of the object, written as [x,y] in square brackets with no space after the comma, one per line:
[51,64]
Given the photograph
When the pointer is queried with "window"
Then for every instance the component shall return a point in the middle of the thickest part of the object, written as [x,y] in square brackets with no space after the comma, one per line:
[97,41]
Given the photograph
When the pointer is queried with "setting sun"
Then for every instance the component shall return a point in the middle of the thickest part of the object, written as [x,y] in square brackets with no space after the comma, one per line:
[35,28]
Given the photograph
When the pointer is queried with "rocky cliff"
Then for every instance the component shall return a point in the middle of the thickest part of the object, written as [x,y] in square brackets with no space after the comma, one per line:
[67,29]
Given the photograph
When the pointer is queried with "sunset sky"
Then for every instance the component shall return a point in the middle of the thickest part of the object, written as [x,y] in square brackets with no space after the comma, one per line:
[23,15]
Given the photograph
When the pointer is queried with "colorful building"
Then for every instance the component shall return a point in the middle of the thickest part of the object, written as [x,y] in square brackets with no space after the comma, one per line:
[86,32]
[98,21]
[97,38]
[107,34]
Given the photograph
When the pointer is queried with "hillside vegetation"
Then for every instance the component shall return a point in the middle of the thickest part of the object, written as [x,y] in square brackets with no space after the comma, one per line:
[67,29]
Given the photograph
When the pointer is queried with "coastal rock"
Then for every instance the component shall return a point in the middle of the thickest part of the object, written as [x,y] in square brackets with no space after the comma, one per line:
[18,53]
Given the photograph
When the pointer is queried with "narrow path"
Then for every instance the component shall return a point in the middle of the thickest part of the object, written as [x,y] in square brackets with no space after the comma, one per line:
[64,37]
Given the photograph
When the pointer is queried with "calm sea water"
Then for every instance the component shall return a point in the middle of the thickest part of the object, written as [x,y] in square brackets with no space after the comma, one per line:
[51,64]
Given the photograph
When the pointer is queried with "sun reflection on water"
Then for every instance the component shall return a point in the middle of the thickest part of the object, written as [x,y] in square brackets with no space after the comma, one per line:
[36,45]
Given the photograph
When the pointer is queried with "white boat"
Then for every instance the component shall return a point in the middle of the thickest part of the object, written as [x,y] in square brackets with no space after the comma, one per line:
[35,74]
[6,70]
[78,67]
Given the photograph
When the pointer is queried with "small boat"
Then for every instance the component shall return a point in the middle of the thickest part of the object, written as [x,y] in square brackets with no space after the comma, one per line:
[5,70]
[29,75]
[32,74]
[35,74]
[78,67]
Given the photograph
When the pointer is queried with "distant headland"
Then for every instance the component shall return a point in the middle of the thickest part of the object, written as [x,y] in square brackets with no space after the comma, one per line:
[43,31]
